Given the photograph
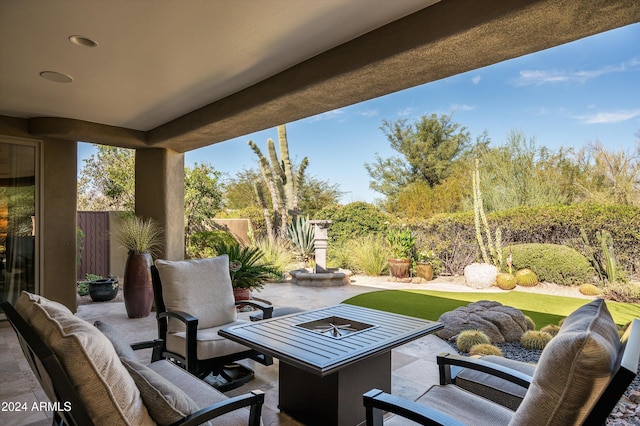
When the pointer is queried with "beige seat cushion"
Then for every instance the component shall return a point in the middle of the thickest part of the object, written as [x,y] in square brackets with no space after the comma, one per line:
[200,392]
[573,370]
[461,405]
[199,287]
[103,383]
[494,388]
[209,343]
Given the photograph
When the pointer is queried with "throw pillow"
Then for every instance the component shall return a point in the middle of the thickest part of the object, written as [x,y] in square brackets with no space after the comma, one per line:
[103,383]
[121,346]
[573,370]
[166,403]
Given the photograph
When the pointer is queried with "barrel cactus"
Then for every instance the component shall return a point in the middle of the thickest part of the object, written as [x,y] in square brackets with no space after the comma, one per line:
[552,329]
[535,339]
[531,324]
[506,281]
[469,338]
[589,290]
[485,349]
[526,278]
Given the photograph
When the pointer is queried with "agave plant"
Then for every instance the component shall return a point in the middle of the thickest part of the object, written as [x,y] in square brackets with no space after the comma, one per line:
[246,265]
[302,236]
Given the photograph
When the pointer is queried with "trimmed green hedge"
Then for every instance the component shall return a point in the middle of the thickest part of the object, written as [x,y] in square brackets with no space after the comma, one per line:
[354,220]
[453,235]
[552,263]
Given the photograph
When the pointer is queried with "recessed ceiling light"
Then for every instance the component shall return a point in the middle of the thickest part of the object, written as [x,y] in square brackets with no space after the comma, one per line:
[82,41]
[58,77]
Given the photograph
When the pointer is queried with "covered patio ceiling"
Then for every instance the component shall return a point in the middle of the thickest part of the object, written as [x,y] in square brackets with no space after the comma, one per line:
[186,74]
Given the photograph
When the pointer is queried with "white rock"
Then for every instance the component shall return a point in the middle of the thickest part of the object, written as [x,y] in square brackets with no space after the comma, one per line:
[480,275]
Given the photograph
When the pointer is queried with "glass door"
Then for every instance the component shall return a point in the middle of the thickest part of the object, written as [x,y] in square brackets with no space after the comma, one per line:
[18,219]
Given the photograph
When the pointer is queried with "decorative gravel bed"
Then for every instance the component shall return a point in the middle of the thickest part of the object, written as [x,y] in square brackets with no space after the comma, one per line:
[626,413]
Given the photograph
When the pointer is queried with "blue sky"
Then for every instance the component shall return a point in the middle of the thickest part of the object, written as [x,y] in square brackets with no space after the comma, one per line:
[565,96]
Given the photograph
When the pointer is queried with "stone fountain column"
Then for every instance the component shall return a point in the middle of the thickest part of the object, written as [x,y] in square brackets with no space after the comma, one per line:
[320,228]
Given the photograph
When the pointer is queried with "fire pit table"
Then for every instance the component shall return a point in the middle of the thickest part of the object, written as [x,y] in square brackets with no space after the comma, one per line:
[329,357]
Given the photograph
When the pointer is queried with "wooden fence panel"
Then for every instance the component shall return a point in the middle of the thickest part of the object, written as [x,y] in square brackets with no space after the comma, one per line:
[95,245]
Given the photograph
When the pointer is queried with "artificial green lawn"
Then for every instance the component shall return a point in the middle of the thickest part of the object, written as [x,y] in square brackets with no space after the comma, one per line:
[543,309]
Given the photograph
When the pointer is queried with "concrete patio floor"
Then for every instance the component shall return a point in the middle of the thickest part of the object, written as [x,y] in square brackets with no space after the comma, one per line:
[413,365]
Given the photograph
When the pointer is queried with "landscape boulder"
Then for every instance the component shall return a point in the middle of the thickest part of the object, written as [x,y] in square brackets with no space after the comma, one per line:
[480,275]
[501,323]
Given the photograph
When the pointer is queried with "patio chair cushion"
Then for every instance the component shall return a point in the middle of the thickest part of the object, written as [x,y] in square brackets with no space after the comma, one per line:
[200,392]
[199,287]
[209,343]
[461,405]
[106,388]
[494,388]
[573,370]
[166,402]
[121,346]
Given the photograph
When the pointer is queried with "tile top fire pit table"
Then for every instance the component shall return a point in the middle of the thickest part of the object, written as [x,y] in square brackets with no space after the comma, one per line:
[329,357]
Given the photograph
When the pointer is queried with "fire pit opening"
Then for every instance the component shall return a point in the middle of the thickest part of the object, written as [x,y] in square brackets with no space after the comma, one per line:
[335,327]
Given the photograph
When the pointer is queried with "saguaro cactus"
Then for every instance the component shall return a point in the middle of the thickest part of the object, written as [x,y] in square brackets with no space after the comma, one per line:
[281,180]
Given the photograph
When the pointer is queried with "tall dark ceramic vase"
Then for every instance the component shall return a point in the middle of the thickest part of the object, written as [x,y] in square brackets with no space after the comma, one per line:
[137,289]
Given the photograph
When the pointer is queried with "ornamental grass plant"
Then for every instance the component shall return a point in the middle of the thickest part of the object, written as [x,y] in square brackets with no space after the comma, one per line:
[138,235]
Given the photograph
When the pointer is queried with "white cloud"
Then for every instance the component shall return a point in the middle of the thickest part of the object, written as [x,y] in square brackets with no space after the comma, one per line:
[370,113]
[611,117]
[463,107]
[405,112]
[329,115]
[540,77]
[476,79]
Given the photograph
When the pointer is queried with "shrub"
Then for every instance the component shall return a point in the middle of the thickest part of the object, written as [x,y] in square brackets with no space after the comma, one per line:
[369,255]
[535,339]
[526,278]
[201,244]
[354,220]
[589,290]
[559,224]
[506,281]
[470,338]
[628,292]
[553,263]
[485,349]
[339,256]
[82,288]
[552,329]
[277,253]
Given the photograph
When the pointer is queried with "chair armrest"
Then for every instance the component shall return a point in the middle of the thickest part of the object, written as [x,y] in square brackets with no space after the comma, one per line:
[147,344]
[266,308]
[254,400]
[376,402]
[182,316]
[191,322]
[446,360]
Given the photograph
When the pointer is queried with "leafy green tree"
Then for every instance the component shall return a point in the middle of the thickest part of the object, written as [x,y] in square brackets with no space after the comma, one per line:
[107,180]
[427,147]
[609,176]
[521,174]
[202,198]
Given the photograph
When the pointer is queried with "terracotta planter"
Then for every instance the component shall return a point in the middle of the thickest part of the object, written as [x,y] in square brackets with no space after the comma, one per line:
[424,271]
[400,268]
[136,288]
[241,294]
